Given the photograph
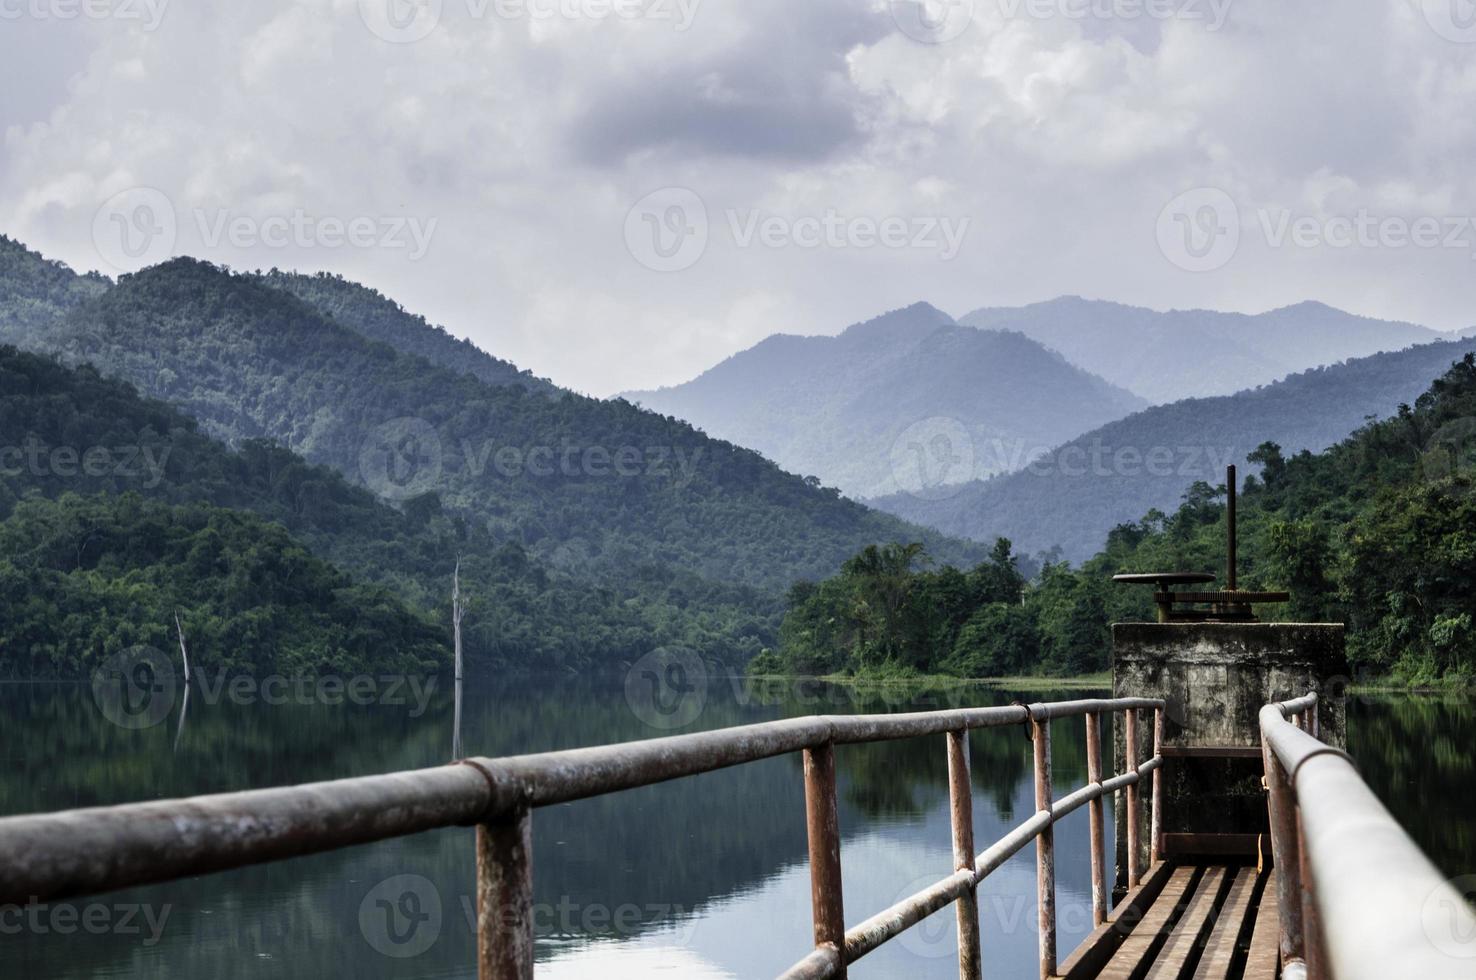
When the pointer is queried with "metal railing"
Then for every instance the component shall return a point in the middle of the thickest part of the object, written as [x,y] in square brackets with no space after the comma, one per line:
[80,852]
[1358,899]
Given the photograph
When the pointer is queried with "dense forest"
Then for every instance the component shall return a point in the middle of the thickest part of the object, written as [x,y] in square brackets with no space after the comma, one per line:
[77,445]
[1379,532]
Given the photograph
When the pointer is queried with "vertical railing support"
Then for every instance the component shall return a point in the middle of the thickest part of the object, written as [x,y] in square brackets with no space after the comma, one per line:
[823,826]
[961,799]
[1045,848]
[1098,821]
[1317,966]
[1130,746]
[1155,823]
[1286,852]
[505,898]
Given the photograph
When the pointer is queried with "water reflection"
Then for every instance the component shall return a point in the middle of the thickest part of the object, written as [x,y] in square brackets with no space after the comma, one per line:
[699,878]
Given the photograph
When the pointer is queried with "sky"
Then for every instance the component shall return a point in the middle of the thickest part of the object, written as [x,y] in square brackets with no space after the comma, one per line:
[618,194]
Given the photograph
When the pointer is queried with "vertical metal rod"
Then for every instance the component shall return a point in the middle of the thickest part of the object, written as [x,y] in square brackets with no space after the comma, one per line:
[823,826]
[1286,852]
[1155,832]
[1095,811]
[1045,849]
[961,799]
[1130,736]
[1232,576]
[1317,968]
[1315,714]
[505,898]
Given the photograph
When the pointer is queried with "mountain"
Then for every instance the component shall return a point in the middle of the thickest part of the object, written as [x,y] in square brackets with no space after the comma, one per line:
[909,400]
[596,489]
[1115,474]
[376,316]
[1164,357]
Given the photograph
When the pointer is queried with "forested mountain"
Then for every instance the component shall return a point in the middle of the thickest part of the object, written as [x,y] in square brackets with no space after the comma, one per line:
[70,525]
[1376,532]
[34,291]
[1166,356]
[1072,497]
[376,316]
[856,409]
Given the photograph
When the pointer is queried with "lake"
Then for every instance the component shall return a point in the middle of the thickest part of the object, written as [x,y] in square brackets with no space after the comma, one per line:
[702,878]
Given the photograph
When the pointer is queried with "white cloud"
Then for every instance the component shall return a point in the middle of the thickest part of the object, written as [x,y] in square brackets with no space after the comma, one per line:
[527,140]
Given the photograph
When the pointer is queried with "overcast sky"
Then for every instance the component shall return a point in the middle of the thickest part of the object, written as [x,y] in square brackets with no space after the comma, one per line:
[618,197]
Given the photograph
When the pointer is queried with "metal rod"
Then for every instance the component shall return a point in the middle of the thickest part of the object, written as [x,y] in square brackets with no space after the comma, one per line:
[1155,833]
[1232,578]
[505,898]
[1130,737]
[961,801]
[1045,849]
[1311,928]
[1286,852]
[823,826]
[1099,858]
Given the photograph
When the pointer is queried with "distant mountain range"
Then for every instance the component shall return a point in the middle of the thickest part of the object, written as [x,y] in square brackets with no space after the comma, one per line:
[1164,357]
[1072,497]
[887,405]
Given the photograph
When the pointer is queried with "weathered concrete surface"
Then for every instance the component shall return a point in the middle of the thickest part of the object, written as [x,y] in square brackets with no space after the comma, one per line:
[1216,677]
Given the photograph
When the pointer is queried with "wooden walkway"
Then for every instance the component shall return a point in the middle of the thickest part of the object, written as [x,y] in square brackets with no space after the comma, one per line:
[1187,922]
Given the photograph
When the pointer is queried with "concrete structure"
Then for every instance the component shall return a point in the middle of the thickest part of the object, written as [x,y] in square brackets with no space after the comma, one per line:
[1215,678]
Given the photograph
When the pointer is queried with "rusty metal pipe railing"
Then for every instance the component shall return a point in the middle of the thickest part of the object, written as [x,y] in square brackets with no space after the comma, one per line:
[46,857]
[1359,899]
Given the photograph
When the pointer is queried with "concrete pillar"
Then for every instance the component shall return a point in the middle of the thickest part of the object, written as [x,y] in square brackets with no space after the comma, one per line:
[1216,677]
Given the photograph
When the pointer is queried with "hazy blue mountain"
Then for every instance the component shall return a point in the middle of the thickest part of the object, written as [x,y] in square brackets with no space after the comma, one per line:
[596,488]
[376,316]
[1199,353]
[880,407]
[1072,497]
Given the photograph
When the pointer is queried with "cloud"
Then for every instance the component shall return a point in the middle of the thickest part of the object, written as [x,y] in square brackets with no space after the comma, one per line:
[527,131]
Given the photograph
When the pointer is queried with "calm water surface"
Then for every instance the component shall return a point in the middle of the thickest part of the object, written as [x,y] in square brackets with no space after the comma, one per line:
[703,878]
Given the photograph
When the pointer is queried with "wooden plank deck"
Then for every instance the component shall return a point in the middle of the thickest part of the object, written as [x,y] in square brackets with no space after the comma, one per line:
[1188,922]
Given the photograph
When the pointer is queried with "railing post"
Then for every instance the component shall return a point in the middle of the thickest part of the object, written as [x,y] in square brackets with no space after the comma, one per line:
[961,798]
[1286,852]
[1045,848]
[1155,831]
[505,898]
[823,827]
[1095,811]
[1130,737]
